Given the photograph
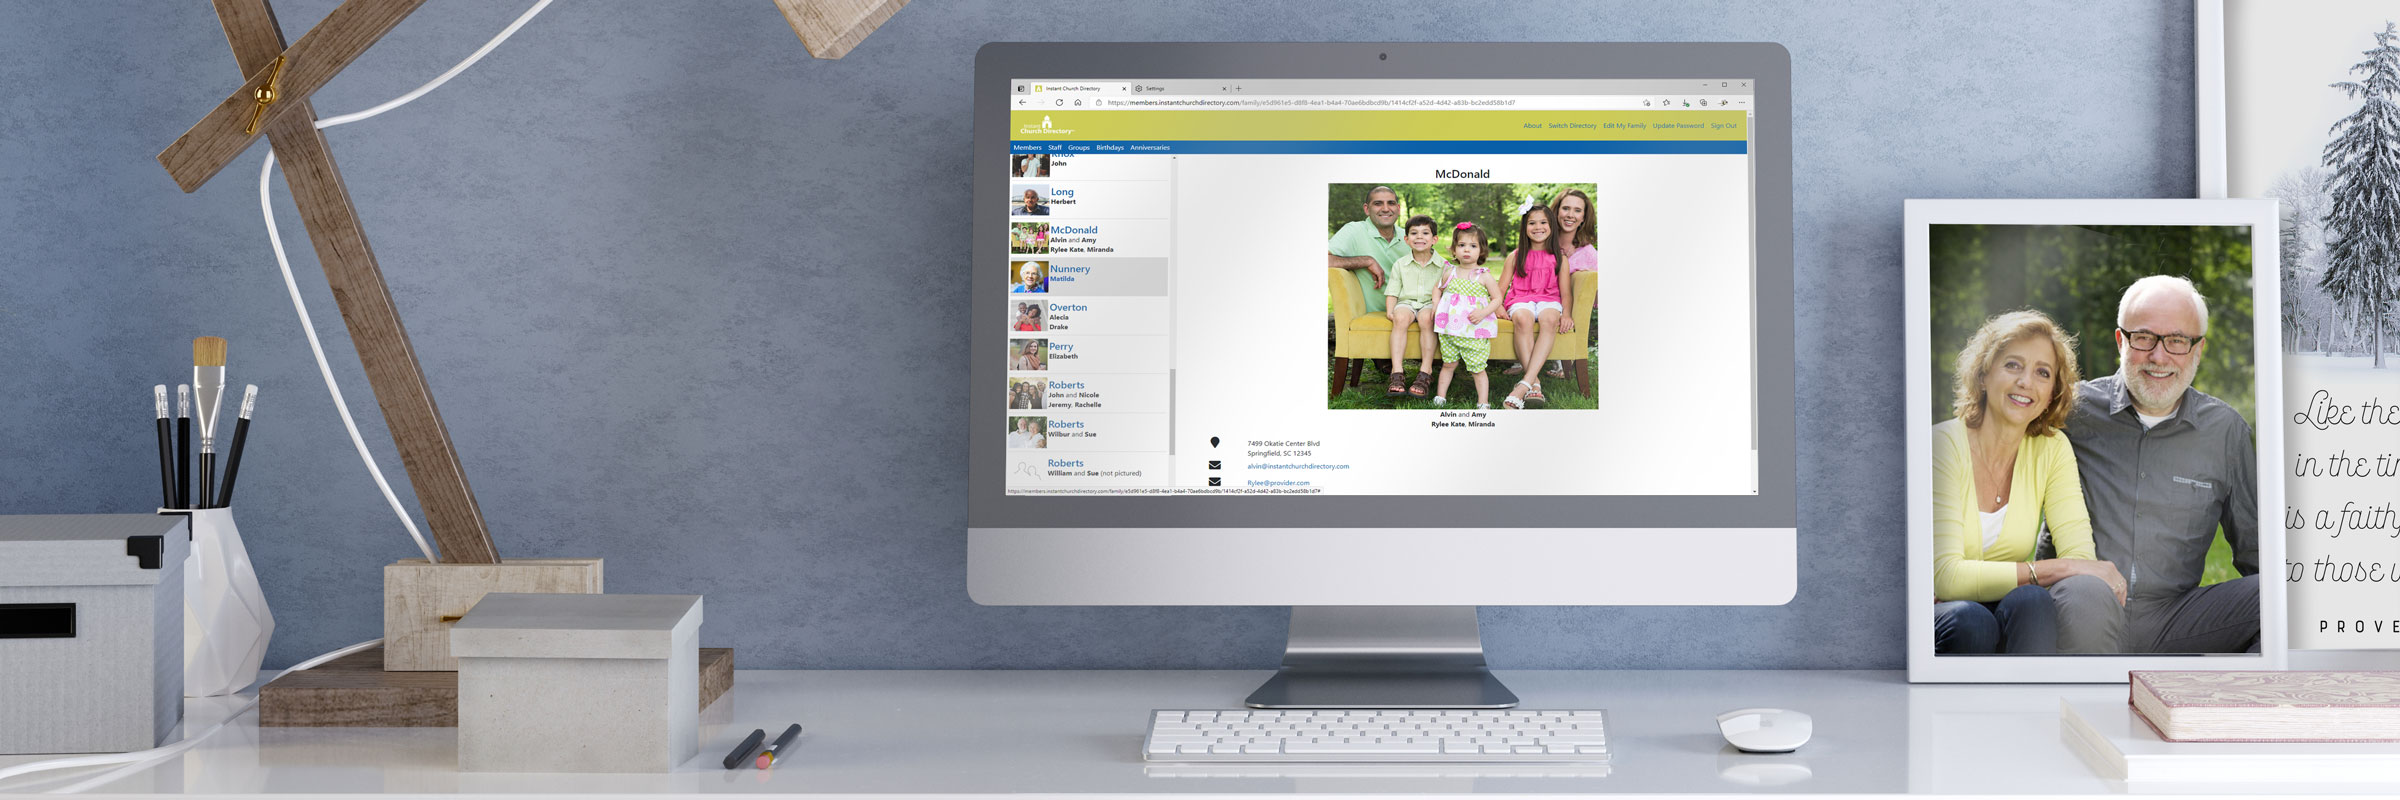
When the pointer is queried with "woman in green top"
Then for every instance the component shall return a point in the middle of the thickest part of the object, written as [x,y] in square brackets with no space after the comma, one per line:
[2003,472]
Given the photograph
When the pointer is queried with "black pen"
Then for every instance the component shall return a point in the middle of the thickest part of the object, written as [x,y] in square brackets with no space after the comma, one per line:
[742,752]
[166,449]
[183,446]
[767,759]
[233,454]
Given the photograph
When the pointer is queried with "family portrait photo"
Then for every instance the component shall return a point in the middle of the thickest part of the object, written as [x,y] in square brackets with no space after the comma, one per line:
[1029,166]
[1028,238]
[1025,394]
[2094,475]
[1029,317]
[1460,295]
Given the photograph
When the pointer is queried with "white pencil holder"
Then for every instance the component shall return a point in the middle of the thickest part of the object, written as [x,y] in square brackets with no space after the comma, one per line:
[225,618]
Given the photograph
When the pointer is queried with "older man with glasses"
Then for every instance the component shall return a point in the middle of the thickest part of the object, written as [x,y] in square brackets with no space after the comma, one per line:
[2164,466]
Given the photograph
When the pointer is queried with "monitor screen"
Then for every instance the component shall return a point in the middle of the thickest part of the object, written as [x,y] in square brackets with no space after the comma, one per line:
[1204,277]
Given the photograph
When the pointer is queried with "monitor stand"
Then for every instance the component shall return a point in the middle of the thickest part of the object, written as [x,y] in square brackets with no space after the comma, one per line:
[1383,657]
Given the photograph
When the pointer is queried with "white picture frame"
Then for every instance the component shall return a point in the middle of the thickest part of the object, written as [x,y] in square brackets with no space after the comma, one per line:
[2208,102]
[2265,350]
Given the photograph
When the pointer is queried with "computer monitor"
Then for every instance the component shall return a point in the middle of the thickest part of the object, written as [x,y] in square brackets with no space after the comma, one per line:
[1174,403]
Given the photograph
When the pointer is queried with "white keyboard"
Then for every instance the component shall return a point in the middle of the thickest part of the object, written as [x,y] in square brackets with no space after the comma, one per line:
[1354,735]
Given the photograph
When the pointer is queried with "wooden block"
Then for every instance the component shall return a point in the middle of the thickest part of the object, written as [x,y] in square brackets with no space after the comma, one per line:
[421,601]
[355,692]
[716,674]
[829,28]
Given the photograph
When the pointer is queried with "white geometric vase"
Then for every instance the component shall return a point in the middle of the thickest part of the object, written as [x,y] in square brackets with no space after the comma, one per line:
[225,618]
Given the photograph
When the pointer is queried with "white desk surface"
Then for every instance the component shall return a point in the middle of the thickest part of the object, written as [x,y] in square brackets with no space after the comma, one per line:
[1060,733]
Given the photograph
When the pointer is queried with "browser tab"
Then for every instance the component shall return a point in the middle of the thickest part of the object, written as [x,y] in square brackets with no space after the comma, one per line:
[1083,88]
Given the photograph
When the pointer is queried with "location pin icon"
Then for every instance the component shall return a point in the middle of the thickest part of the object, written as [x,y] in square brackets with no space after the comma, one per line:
[1212,441]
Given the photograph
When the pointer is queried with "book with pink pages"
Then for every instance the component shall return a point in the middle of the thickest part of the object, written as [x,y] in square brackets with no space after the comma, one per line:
[2255,706]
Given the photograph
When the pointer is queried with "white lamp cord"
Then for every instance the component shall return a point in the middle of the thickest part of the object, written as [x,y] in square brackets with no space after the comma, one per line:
[142,758]
[266,209]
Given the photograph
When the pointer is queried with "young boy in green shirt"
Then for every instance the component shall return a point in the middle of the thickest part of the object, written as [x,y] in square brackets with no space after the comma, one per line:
[1408,299]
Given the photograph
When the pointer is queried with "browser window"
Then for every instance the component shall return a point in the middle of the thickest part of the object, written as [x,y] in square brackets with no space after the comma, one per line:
[1205,278]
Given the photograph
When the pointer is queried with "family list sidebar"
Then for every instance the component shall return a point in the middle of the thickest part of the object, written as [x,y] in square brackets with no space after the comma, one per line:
[1089,324]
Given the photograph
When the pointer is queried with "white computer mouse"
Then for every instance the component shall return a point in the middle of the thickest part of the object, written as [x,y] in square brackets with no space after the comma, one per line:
[1765,730]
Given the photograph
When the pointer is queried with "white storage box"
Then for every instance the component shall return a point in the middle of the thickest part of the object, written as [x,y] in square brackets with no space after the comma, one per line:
[578,683]
[91,632]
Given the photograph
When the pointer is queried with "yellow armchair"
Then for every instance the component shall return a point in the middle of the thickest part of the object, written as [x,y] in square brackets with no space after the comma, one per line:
[1360,336]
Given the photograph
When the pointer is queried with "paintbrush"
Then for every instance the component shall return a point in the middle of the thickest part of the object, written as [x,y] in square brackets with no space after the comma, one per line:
[208,394]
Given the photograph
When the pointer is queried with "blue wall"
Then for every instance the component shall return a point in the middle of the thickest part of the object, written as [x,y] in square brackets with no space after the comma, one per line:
[604,236]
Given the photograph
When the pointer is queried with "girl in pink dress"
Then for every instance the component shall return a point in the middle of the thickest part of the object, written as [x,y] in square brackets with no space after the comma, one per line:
[1533,296]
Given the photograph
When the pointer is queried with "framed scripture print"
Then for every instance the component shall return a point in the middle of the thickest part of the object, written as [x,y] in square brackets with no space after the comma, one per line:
[2300,103]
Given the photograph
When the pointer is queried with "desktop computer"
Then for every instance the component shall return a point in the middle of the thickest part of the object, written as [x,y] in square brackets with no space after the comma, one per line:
[1175,404]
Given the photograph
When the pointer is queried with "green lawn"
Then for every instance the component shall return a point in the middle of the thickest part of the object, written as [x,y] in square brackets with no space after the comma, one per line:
[2219,567]
[1369,391]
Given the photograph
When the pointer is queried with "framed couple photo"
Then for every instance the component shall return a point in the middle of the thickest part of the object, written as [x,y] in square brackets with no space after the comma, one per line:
[2095,449]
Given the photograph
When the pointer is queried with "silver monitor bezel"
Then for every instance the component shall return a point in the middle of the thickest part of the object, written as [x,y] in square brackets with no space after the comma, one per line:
[1334,523]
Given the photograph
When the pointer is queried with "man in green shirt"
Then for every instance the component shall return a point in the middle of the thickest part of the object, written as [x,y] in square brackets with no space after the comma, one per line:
[1368,247]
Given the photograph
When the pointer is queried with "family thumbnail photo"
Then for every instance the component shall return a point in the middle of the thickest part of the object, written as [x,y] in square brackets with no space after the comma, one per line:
[1028,433]
[1028,355]
[1028,277]
[1029,200]
[2095,477]
[1460,295]
[1028,238]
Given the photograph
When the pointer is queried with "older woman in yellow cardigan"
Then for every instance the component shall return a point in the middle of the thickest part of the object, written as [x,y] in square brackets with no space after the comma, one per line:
[2003,478]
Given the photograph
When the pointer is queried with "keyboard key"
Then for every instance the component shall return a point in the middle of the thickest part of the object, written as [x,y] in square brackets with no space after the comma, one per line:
[1268,747]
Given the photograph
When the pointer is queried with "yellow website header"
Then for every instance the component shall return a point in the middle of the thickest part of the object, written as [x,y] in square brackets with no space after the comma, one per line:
[1376,125]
